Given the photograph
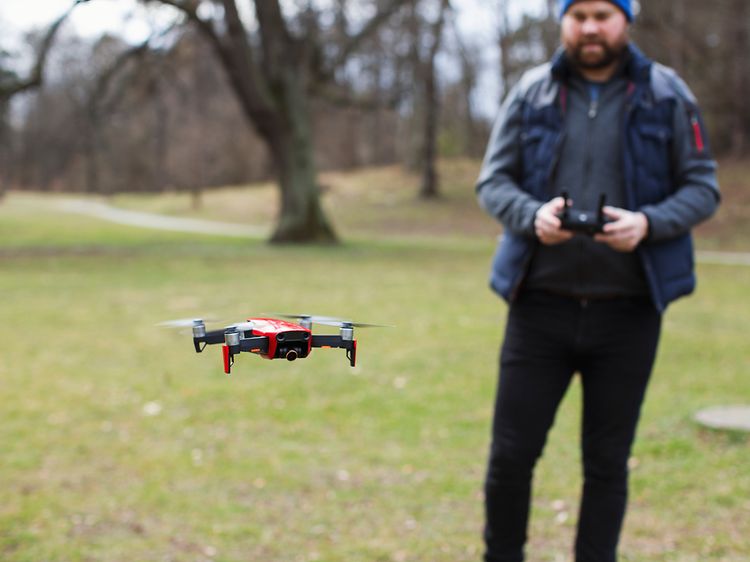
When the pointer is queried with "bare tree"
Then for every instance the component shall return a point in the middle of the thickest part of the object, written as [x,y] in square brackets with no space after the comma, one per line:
[12,84]
[430,103]
[706,43]
[272,76]
[739,32]
[504,41]
[469,57]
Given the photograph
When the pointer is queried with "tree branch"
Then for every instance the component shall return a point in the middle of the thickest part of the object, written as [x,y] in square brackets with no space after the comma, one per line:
[342,97]
[35,79]
[103,81]
[355,41]
[274,35]
[234,51]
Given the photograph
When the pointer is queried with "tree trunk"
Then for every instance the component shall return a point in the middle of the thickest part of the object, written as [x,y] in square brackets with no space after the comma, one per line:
[504,42]
[273,96]
[677,52]
[429,188]
[91,144]
[301,217]
[4,148]
[740,79]
[272,79]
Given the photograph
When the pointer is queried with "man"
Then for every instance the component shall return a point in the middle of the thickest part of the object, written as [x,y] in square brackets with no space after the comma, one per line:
[600,119]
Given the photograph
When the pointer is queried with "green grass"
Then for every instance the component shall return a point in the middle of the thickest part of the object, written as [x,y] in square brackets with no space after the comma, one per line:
[120,443]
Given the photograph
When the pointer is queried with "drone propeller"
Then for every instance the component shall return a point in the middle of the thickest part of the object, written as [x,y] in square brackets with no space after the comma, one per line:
[350,324]
[242,326]
[330,321]
[310,317]
[187,323]
[181,323]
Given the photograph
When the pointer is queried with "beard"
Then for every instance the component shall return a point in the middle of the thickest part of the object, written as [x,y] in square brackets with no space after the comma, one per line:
[606,56]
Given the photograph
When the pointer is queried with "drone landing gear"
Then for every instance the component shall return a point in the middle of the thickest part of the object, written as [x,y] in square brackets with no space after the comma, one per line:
[338,342]
[235,345]
[228,359]
[351,354]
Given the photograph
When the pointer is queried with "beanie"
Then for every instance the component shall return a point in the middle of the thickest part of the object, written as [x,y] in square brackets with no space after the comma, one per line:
[624,5]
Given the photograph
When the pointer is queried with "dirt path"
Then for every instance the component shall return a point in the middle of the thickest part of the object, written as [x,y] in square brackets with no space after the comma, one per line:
[723,258]
[164,222]
[160,222]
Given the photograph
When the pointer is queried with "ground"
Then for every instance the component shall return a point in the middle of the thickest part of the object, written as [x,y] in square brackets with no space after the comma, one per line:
[120,443]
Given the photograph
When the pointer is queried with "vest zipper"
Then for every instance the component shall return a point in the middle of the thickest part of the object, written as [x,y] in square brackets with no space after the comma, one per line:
[593,108]
[594,94]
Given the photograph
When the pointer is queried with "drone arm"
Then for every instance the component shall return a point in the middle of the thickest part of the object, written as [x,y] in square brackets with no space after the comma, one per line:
[213,337]
[258,344]
[337,342]
[327,341]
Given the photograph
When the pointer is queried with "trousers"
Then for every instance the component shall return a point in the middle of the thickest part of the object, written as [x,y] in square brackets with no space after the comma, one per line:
[612,344]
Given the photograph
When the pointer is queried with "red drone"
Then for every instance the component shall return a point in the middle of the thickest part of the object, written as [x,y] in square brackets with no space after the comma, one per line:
[272,338]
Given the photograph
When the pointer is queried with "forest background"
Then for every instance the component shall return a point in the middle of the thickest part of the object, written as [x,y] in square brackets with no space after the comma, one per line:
[219,95]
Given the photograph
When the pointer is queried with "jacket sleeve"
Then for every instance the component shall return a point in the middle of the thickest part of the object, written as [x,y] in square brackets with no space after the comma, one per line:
[498,188]
[696,196]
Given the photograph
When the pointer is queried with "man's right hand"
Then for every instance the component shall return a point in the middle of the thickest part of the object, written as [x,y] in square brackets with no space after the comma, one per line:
[547,225]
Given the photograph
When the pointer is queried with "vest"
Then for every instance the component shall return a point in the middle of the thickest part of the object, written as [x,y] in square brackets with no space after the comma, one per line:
[647,129]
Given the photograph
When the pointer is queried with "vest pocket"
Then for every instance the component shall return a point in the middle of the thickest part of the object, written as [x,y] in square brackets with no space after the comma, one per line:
[531,139]
[536,145]
[654,133]
[652,145]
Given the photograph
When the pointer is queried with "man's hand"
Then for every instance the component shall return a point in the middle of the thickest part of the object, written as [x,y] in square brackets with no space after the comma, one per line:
[547,225]
[627,230]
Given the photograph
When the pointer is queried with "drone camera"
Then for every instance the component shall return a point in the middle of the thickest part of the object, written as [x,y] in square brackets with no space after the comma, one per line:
[292,345]
[291,353]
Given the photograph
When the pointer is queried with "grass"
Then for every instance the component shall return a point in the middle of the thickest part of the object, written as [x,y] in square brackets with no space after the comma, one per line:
[382,203]
[120,443]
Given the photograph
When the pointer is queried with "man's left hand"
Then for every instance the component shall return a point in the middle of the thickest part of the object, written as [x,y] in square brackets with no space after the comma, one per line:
[627,230]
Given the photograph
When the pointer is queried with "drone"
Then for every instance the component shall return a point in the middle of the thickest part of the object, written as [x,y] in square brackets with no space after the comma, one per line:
[274,338]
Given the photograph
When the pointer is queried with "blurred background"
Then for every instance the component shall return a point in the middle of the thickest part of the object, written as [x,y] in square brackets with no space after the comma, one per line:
[154,96]
[150,150]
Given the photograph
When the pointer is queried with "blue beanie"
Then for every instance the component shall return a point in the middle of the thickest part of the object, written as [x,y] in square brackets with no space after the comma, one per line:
[624,5]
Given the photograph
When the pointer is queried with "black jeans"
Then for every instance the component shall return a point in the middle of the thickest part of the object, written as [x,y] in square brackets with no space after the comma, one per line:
[612,344]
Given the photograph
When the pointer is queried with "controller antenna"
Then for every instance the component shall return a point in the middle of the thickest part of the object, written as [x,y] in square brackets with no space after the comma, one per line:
[567,203]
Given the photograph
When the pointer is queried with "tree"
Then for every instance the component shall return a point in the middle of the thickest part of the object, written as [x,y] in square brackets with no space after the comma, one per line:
[424,61]
[526,44]
[706,42]
[273,73]
[12,84]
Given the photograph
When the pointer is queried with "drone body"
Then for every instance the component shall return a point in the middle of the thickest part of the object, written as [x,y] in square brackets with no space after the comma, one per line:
[273,338]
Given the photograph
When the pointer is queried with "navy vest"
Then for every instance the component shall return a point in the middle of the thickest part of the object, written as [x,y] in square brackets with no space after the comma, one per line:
[647,129]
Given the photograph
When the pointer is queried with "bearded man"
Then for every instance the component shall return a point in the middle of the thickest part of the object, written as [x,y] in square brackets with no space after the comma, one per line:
[599,122]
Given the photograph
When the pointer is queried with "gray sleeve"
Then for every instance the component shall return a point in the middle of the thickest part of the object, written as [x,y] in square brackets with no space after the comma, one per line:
[696,196]
[497,187]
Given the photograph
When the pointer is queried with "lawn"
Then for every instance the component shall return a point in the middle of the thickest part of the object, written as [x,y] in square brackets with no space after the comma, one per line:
[120,443]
